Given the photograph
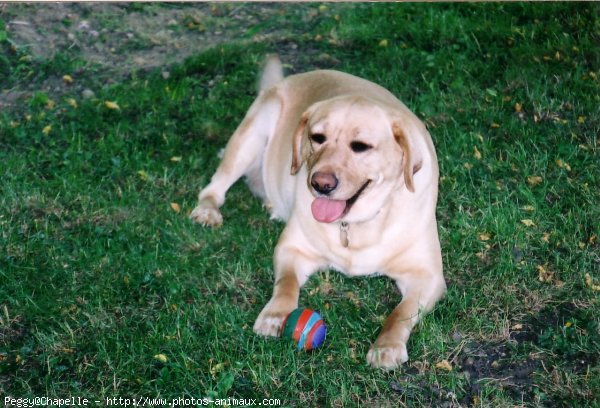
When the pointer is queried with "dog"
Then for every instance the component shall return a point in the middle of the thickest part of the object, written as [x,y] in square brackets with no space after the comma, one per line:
[353,173]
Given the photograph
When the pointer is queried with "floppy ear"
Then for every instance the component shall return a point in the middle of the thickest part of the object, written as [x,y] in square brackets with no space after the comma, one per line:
[412,156]
[298,144]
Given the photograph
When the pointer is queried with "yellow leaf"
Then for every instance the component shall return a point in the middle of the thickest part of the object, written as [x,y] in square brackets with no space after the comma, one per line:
[528,223]
[50,104]
[176,159]
[217,368]
[546,237]
[590,283]
[126,280]
[544,275]
[175,207]
[534,180]
[13,124]
[581,119]
[111,105]
[143,175]
[383,43]
[444,365]
[484,236]
[68,79]
[495,125]
[72,102]
[47,130]
[476,153]
[161,357]
[529,208]
[563,165]
[518,107]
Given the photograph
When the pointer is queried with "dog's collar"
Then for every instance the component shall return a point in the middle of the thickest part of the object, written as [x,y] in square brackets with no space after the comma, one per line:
[344,227]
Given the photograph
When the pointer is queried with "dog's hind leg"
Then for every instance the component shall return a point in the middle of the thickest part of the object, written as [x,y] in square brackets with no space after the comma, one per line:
[243,156]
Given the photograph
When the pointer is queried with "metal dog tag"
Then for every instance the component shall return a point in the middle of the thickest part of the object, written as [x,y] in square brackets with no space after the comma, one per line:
[344,234]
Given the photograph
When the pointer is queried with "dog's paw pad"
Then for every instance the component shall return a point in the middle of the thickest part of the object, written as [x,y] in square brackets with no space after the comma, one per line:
[388,357]
[206,216]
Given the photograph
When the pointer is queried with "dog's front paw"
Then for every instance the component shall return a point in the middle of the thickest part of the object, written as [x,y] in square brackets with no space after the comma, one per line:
[269,321]
[206,214]
[389,356]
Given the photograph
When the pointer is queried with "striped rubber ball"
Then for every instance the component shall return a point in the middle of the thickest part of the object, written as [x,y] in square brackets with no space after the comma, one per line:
[306,327]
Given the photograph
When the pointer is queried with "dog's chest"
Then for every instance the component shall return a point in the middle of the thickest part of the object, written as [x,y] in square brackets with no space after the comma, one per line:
[367,262]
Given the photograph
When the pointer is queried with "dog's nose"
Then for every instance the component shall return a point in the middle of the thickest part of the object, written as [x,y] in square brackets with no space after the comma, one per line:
[323,183]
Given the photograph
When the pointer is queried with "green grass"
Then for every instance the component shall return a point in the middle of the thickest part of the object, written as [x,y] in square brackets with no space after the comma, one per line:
[99,275]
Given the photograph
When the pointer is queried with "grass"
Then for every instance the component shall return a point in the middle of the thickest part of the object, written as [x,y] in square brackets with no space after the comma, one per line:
[107,290]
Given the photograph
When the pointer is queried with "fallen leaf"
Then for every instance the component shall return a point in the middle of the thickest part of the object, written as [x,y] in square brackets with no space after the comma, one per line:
[68,79]
[581,119]
[529,208]
[175,207]
[47,130]
[176,159]
[528,223]
[563,165]
[476,153]
[544,275]
[112,105]
[444,365]
[217,368]
[546,237]
[72,103]
[495,125]
[534,180]
[484,236]
[589,282]
[161,357]
[383,43]
[143,175]
[517,326]
[518,107]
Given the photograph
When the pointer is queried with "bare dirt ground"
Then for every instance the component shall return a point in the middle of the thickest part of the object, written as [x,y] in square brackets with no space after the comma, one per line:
[117,39]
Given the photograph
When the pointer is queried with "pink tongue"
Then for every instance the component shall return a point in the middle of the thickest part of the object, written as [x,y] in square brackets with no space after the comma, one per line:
[326,210]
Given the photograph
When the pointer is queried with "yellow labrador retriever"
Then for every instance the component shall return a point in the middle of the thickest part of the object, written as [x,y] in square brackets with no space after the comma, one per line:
[354,175]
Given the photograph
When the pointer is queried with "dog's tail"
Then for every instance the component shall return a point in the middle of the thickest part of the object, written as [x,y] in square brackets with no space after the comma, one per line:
[272,73]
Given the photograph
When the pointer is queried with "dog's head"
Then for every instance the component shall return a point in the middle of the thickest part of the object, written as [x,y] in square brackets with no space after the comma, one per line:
[357,153]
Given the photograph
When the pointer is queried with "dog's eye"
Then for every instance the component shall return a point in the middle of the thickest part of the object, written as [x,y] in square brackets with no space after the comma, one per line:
[359,147]
[318,138]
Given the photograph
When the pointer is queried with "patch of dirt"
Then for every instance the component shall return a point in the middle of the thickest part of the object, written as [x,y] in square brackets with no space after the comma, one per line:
[116,39]
[549,343]
[495,363]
